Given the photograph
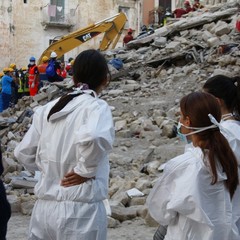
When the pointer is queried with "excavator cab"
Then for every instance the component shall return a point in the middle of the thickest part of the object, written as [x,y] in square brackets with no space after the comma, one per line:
[111,27]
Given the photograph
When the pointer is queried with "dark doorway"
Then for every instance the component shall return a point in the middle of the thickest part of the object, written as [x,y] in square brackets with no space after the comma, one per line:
[165,4]
[161,11]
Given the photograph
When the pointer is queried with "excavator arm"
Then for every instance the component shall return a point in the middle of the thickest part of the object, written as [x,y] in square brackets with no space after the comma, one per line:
[111,27]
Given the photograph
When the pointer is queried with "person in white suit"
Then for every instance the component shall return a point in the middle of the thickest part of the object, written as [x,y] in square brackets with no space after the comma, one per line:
[193,197]
[227,92]
[69,141]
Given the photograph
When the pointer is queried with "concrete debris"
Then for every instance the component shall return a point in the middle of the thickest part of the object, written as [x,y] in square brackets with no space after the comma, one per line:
[144,97]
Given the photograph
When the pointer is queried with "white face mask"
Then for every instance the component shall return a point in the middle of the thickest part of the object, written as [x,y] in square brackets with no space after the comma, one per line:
[183,136]
[32,63]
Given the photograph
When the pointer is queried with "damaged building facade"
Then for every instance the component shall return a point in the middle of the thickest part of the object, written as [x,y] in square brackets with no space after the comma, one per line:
[29,27]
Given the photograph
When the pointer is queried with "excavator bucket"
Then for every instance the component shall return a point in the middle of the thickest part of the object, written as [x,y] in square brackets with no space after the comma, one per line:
[111,27]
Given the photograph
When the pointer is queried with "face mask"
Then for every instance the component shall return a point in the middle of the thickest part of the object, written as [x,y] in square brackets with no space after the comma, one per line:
[32,63]
[183,137]
[24,72]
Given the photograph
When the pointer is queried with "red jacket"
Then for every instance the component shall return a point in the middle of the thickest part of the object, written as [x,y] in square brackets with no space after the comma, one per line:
[189,9]
[62,73]
[179,12]
[127,38]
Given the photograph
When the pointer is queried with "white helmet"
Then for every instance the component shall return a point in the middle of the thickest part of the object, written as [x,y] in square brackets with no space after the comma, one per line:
[53,55]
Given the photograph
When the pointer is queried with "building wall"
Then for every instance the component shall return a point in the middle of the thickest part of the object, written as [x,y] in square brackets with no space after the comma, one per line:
[24,34]
[6,39]
[148,6]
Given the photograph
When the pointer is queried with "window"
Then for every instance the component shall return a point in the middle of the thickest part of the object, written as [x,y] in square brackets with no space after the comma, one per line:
[165,4]
[126,11]
[56,11]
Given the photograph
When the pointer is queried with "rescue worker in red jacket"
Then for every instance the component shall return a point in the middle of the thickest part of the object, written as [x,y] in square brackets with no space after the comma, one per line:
[33,77]
[128,37]
[181,11]
[43,78]
[188,7]
[62,72]
[178,12]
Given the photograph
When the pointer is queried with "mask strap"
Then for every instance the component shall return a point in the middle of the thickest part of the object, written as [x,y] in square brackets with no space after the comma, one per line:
[213,120]
[197,128]
[227,116]
[222,128]
[201,130]
[192,128]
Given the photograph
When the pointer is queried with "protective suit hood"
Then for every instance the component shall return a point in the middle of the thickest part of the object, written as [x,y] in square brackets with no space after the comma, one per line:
[74,104]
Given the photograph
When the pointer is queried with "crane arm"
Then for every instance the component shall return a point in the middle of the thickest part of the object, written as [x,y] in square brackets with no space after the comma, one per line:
[112,27]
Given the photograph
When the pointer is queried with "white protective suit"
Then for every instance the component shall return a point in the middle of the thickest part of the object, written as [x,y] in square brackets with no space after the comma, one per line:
[78,137]
[184,199]
[231,130]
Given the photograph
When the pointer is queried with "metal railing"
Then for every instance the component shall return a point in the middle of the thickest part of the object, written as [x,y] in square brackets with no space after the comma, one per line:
[59,16]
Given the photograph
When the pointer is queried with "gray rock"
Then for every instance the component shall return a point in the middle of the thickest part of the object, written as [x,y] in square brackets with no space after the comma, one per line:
[123,214]
[137,201]
[27,207]
[150,221]
[112,223]
[15,203]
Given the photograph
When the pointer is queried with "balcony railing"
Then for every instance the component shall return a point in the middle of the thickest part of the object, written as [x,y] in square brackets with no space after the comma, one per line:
[53,16]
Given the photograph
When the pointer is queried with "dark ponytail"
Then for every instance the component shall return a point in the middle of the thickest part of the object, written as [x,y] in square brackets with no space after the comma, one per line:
[219,149]
[62,102]
[197,106]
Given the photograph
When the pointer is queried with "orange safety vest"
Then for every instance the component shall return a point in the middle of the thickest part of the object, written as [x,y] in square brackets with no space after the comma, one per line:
[42,71]
[31,74]
[42,68]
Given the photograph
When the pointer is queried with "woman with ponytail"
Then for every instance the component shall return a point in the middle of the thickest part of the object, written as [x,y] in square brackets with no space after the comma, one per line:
[68,142]
[193,197]
[227,92]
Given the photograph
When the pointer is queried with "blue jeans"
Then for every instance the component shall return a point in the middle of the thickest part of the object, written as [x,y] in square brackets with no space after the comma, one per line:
[6,98]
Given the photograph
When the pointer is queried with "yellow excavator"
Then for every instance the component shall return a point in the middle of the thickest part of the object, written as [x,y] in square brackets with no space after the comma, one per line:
[111,27]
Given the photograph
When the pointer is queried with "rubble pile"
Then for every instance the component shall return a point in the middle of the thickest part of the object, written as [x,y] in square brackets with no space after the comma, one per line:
[144,96]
